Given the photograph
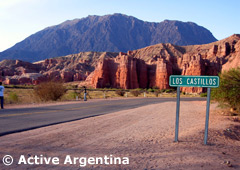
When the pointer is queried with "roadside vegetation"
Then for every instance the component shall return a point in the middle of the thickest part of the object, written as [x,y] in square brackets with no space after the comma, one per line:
[57,91]
[203,95]
[136,92]
[120,92]
[50,91]
[17,95]
[228,93]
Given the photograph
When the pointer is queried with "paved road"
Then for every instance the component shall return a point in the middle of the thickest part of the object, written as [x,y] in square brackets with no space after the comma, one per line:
[17,120]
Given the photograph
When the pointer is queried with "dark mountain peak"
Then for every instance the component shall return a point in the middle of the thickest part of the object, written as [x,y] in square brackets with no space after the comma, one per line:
[118,15]
[167,21]
[114,33]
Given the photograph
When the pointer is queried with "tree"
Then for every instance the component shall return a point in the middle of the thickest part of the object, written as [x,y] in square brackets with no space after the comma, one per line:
[228,92]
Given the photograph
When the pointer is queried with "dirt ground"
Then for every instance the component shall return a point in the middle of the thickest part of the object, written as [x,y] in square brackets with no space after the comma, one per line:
[145,135]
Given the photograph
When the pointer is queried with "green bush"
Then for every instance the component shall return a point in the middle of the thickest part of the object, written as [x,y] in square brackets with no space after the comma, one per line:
[49,91]
[169,90]
[163,90]
[203,95]
[229,89]
[13,97]
[139,89]
[120,92]
[150,90]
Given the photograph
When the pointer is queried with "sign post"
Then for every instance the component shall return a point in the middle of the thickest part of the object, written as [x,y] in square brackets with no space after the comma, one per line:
[177,114]
[207,116]
[193,81]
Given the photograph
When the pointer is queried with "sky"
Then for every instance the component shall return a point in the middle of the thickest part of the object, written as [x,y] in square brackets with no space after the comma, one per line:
[21,18]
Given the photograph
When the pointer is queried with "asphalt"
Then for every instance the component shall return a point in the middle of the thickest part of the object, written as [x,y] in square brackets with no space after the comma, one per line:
[23,119]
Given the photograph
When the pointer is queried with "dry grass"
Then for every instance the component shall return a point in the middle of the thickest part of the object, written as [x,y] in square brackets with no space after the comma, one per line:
[27,95]
[24,96]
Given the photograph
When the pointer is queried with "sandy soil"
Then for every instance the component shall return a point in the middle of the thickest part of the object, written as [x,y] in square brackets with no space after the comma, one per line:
[144,134]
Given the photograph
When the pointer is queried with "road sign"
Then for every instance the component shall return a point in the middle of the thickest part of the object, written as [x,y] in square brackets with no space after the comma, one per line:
[194,81]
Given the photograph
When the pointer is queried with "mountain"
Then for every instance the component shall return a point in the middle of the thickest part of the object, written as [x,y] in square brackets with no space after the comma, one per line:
[143,68]
[112,33]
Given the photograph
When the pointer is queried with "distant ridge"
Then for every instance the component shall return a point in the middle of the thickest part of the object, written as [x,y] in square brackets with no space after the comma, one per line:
[112,33]
[143,68]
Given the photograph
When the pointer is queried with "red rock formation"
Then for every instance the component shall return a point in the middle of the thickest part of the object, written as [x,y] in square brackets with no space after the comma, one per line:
[193,66]
[152,66]
[163,71]
[101,77]
[79,77]
[121,72]
[142,74]
[126,73]
[234,60]
[25,80]
[144,68]
[129,73]
[28,78]
[67,76]
[53,75]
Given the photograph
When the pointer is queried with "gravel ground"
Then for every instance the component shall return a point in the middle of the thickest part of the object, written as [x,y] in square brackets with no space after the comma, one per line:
[145,135]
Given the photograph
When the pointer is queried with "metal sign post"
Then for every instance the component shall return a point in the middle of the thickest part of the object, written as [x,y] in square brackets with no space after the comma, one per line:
[177,114]
[193,81]
[207,116]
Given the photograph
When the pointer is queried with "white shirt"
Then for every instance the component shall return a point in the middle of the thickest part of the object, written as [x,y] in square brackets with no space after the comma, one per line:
[1,90]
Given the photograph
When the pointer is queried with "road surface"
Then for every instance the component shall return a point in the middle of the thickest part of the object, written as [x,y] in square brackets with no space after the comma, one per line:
[23,119]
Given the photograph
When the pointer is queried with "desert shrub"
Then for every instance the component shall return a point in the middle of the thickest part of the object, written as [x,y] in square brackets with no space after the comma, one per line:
[140,89]
[229,89]
[150,90]
[203,95]
[12,97]
[169,90]
[50,91]
[135,93]
[163,90]
[120,92]
[157,92]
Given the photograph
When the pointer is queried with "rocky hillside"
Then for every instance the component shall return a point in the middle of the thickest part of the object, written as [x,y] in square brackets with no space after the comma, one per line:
[115,33]
[152,66]
[74,67]
[144,68]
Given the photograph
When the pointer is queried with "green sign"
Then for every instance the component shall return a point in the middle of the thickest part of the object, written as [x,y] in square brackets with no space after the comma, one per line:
[194,81]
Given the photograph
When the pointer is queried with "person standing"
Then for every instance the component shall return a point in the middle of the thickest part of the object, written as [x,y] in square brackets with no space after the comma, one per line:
[1,94]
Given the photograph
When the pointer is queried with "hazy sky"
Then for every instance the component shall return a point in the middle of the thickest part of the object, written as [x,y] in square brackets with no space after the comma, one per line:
[21,18]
